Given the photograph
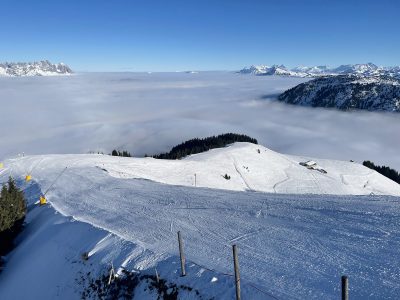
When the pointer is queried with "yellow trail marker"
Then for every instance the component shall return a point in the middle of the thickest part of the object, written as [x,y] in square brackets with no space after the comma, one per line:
[43,200]
[28,178]
[1,165]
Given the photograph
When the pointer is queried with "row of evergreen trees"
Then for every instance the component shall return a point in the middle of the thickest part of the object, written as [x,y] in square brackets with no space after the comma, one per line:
[121,153]
[12,215]
[197,145]
[384,170]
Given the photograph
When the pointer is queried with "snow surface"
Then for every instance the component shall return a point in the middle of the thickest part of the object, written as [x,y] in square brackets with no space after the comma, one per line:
[267,171]
[291,246]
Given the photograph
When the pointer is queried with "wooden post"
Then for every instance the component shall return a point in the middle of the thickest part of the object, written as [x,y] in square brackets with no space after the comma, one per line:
[182,255]
[157,277]
[112,274]
[237,274]
[195,179]
[345,288]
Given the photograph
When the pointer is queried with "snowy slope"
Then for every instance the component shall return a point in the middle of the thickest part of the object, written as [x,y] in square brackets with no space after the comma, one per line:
[267,171]
[37,68]
[250,167]
[290,246]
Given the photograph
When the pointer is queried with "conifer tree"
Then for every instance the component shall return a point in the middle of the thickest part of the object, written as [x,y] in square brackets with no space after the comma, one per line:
[12,206]
[12,215]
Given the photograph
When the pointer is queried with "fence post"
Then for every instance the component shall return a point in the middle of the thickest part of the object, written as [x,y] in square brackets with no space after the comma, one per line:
[237,274]
[195,179]
[112,274]
[345,288]
[181,254]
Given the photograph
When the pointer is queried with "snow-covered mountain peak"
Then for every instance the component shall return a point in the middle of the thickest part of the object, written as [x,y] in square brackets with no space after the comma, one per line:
[254,69]
[368,69]
[360,69]
[312,70]
[269,70]
[37,68]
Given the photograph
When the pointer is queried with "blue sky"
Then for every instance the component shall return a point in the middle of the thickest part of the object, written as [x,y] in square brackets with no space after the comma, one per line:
[116,35]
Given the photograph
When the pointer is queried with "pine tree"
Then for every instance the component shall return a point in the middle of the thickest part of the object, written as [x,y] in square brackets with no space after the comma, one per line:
[122,153]
[12,206]
[12,214]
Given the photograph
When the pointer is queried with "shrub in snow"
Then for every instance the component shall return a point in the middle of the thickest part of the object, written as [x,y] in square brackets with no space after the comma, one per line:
[85,256]
[227,177]
[128,284]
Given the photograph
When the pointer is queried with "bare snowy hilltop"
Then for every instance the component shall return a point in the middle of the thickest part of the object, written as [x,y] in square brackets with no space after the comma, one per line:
[37,68]
[299,224]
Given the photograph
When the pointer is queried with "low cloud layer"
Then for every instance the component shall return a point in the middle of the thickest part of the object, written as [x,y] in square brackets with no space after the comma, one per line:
[149,113]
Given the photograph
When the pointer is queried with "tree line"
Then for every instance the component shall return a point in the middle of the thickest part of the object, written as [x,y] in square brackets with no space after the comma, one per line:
[197,145]
[121,153]
[384,170]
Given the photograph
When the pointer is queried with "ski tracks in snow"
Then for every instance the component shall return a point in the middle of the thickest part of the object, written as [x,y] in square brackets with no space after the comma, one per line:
[241,175]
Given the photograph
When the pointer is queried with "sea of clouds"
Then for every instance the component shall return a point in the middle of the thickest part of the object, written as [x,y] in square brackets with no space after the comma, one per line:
[149,113]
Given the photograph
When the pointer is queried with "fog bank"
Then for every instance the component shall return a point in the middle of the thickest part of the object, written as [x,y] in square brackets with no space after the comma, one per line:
[150,113]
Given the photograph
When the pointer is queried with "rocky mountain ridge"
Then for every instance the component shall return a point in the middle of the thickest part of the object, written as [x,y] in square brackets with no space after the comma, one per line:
[37,68]
[368,69]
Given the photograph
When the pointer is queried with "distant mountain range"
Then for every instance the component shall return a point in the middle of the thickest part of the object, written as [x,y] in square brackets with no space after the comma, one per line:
[347,92]
[368,69]
[38,68]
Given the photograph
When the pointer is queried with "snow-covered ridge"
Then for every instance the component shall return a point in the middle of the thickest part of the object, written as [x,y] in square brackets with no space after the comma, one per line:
[37,68]
[256,168]
[368,69]
[379,93]
[251,167]
[271,70]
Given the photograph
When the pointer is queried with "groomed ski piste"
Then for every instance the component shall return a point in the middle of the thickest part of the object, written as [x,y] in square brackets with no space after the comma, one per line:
[297,229]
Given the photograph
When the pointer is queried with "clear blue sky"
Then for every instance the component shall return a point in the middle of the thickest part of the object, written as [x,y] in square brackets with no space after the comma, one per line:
[169,35]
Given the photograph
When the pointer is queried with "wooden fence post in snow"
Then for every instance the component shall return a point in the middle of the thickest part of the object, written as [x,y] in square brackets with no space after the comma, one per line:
[181,254]
[112,274]
[237,274]
[157,277]
[345,288]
